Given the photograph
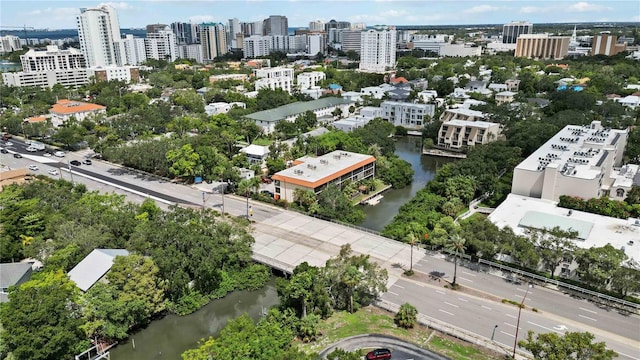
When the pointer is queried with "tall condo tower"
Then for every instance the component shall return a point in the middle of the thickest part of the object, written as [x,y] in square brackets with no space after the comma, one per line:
[98,30]
[512,30]
[213,37]
[377,49]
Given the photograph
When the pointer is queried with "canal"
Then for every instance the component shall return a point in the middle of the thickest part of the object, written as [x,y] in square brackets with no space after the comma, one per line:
[408,148]
[170,336]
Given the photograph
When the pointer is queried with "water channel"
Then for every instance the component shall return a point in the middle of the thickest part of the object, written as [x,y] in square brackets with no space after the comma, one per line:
[408,148]
[170,336]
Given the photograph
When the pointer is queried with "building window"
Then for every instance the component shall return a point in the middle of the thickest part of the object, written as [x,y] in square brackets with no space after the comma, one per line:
[620,193]
[277,190]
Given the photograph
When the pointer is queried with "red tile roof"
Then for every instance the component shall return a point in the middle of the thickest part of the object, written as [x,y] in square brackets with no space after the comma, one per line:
[74,107]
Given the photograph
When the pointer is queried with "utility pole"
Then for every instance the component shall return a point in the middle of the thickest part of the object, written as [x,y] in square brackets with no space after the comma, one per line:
[515,342]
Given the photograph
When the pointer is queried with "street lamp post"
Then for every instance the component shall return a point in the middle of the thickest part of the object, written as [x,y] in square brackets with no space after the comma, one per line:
[515,342]
[222,193]
[494,332]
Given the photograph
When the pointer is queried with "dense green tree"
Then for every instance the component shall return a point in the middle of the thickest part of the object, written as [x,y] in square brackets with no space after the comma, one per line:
[354,280]
[597,265]
[553,245]
[394,171]
[43,318]
[571,345]
[189,100]
[184,162]
[335,204]
[626,280]
[271,99]
[306,291]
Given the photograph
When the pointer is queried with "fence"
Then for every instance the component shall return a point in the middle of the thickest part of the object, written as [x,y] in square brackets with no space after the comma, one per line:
[609,300]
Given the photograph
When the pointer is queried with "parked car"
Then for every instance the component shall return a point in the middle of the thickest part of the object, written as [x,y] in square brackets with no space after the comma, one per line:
[33,167]
[87,162]
[31,149]
[75,163]
[6,136]
[379,354]
[17,156]
[8,143]
[47,154]
[266,180]
[59,153]
[54,172]
[4,151]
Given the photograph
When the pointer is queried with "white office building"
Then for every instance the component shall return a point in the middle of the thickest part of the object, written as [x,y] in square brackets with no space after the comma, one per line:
[42,79]
[309,79]
[275,78]
[577,161]
[431,43]
[408,115]
[351,40]
[98,31]
[256,46]
[377,50]
[51,59]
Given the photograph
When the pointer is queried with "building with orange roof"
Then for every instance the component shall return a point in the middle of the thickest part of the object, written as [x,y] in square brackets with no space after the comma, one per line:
[36,119]
[315,173]
[64,109]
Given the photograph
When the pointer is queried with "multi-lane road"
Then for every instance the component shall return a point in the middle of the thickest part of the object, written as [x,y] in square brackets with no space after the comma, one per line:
[558,312]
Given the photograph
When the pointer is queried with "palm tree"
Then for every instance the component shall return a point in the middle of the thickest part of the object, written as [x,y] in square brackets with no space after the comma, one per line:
[412,239]
[455,244]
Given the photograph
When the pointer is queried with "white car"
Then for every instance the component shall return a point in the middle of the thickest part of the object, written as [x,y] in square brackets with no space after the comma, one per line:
[59,153]
[8,144]
[33,167]
[54,172]
[31,149]
[47,154]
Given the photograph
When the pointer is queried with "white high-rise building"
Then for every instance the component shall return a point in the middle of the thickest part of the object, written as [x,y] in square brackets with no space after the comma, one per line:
[98,30]
[134,50]
[162,44]
[9,43]
[191,51]
[52,59]
[298,43]
[234,29]
[256,46]
[213,38]
[316,25]
[316,43]
[377,50]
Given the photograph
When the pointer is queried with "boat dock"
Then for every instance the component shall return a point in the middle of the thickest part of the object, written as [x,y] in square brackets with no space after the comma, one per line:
[443,153]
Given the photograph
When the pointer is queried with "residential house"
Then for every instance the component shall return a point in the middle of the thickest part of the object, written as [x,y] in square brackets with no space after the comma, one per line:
[94,267]
[408,115]
[13,274]
[257,154]
[63,110]
[505,97]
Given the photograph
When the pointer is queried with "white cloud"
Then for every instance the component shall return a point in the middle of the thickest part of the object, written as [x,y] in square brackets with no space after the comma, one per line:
[118,5]
[534,10]
[481,9]
[196,19]
[587,7]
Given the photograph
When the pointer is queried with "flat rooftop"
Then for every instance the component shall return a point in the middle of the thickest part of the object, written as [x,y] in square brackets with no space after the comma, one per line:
[577,151]
[521,212]
[314,171]
[467,123]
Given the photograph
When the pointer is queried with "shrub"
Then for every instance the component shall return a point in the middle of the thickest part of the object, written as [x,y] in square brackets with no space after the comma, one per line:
[407,316]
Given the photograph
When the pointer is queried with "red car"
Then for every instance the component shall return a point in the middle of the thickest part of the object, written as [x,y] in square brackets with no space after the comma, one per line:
[379,354]
[266,180]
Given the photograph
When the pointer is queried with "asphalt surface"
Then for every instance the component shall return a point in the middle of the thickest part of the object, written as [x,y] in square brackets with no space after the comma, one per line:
[558,312]
[400,349]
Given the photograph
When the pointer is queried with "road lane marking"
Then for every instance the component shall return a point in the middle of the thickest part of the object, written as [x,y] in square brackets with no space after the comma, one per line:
[512,316]
[466,279]
[522,296]
[450,304]
[546,328]
[446,312]
[507,334]
[586,317]
[587,310]
[506,323]
[441,292]
[391,292]
[401,287]
[470,274]
[625,355]
[461,299]
[485,307]
[523,290]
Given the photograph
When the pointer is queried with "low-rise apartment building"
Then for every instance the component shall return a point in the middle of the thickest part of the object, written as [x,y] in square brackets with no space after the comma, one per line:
[462,128]
[505,97]
[274,78]
[64,109]
[309,79]
[315,173]
[577,161]
[408,115]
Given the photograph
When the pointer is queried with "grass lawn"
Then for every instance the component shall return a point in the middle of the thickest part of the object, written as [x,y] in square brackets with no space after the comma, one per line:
[262,142]
[373,320]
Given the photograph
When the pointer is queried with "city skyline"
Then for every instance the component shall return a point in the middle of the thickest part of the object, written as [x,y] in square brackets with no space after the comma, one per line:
[139,13]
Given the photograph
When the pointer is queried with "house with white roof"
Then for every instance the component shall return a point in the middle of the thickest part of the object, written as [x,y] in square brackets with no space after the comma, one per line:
[257,154]
[577,161]
[526,214]
[94,267]
[631,101]
[505,97]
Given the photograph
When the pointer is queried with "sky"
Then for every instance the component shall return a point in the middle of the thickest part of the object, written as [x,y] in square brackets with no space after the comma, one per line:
[52,14]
